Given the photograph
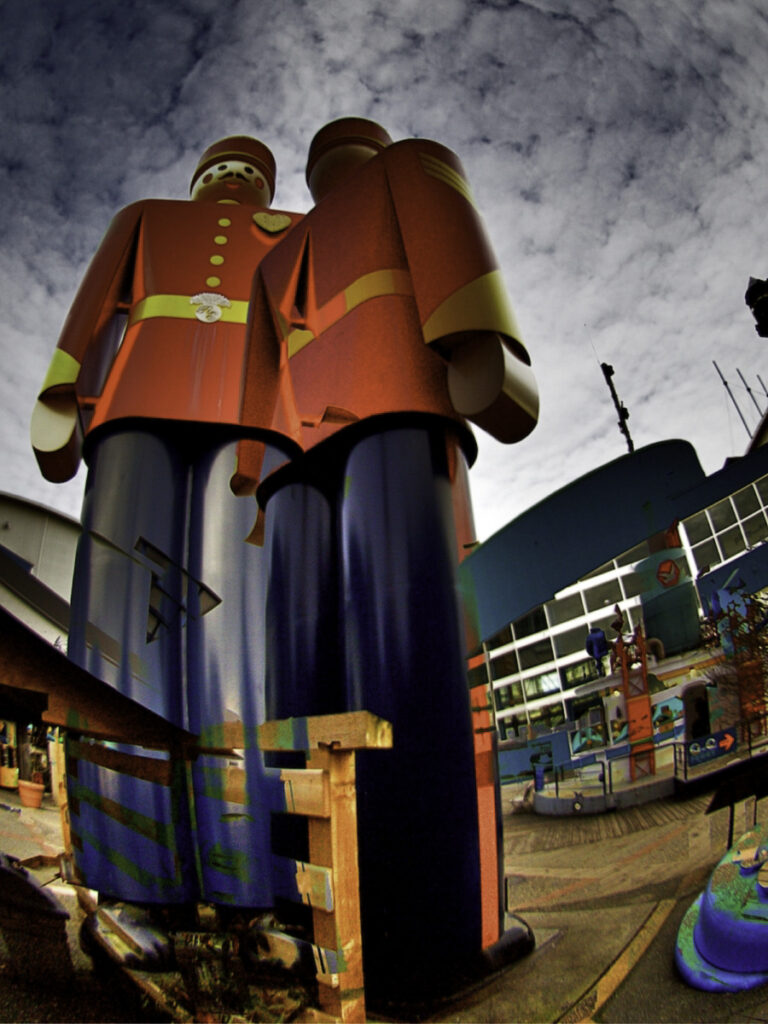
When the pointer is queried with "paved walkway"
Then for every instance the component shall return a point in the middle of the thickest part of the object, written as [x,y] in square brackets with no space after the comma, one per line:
[85,996]
[25,832]
[604,895]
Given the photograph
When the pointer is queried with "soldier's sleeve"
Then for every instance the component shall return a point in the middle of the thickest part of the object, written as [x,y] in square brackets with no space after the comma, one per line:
[460,295]
[56,427]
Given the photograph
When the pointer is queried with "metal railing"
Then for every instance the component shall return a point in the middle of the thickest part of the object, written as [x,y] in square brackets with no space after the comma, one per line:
[598,773]
[751,733]
[606,773]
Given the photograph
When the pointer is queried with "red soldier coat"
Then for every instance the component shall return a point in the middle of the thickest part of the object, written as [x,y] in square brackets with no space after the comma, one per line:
[158,328]
[381,284]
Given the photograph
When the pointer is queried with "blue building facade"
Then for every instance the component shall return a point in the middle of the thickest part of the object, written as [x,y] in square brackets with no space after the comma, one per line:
[650,538]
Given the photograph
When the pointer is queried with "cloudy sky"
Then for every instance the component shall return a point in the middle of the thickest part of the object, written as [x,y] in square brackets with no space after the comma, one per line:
[618,150]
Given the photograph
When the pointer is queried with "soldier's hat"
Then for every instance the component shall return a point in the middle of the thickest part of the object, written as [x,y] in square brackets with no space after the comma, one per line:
[345,132]
[238,147]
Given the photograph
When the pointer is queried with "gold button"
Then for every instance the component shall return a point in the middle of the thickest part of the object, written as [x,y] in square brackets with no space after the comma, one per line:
[221,239]
[224,222]
[213,282]
[216,260]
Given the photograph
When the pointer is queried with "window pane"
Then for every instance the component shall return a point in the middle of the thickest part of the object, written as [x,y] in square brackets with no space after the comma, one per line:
[697,528]
[575,675]
[570,641]
[556,715]
[731,542]
[531,623]
[722,514]
[746,501]
[540,686]
[477,676]
[536,654]
[755,528]
[507,696]
[762,489]
[504,636]
[503,698]
[564,609]
[706,555]
[504,665]
[604,595]
[512,727]
[546,718]
[632,584]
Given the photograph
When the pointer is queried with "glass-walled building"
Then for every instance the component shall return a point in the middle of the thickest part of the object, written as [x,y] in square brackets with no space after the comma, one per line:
[536,663]
[729,527]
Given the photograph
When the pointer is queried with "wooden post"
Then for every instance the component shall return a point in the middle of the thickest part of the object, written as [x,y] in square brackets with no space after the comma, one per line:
[331,741]
[61,791]
[333,844]
[325,793]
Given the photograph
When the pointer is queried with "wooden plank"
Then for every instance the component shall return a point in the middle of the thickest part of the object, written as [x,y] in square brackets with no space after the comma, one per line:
[76,699]
[484,742]
[292,951]
[61,792]
[150,769]
[191,751]
[223,735]
[98,715]
[352,730]
[307,792]
[334,842]
[305,883]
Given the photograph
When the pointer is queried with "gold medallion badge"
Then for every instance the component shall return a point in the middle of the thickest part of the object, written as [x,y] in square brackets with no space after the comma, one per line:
[273,223]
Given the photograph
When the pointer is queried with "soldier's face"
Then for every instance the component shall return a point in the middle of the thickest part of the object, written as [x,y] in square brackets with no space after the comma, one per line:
[241,180]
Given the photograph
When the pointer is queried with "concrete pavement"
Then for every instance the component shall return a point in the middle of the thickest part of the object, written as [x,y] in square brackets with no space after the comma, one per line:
[603,893]
[80,994]
[25,832]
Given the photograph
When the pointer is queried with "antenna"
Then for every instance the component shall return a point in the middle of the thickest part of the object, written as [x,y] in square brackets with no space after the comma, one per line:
[620,407]
[730,394]
[749,390]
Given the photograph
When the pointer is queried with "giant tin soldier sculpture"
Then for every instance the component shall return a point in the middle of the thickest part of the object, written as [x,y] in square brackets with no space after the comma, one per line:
[167,596]
[376,326]
[395,329]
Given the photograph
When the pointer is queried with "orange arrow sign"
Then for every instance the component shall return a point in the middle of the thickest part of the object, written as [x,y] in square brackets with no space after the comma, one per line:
[727,741]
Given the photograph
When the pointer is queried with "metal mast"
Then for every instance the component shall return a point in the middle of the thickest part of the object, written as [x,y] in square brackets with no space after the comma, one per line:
[620,407]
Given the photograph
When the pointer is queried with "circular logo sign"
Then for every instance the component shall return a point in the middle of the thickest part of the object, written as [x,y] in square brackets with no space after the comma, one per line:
[668,572]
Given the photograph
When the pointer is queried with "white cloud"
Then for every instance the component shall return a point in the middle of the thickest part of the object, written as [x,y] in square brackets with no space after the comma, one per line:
[617,151]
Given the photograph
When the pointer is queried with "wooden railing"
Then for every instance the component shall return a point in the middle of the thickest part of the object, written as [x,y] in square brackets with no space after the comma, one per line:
[325,793]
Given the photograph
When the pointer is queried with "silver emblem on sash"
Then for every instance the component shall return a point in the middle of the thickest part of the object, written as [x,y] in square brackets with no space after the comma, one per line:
[209,306]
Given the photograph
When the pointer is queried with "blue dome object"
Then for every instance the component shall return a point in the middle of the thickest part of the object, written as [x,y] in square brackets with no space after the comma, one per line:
[722,943]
